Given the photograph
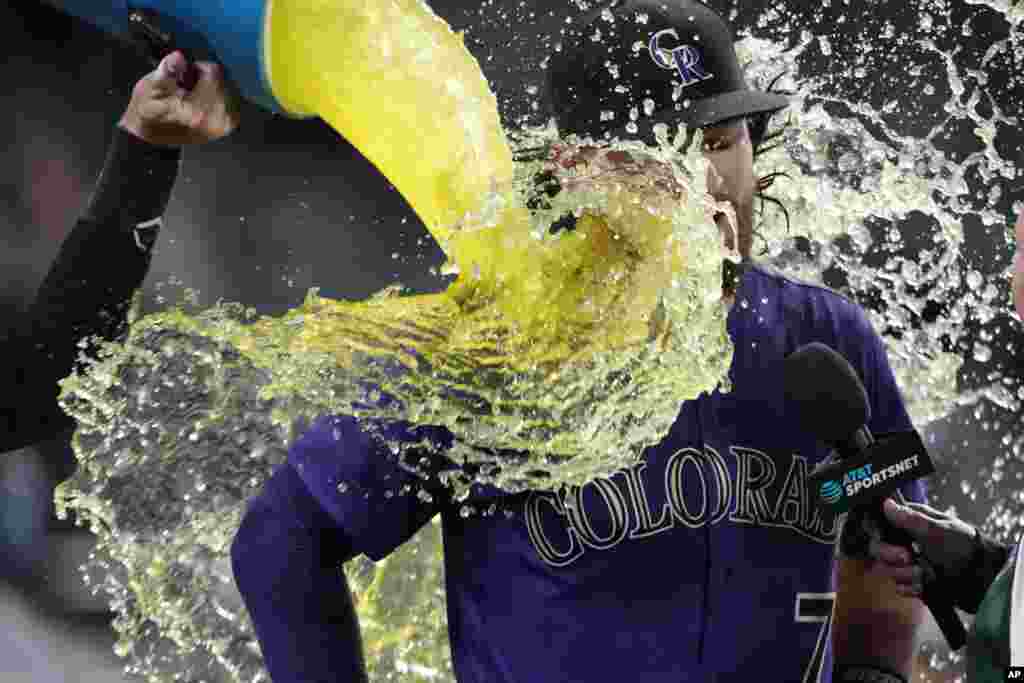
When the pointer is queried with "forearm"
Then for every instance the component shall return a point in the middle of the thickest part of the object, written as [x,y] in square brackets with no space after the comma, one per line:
[874,626]
[87,291]
[106,256]
[287,559]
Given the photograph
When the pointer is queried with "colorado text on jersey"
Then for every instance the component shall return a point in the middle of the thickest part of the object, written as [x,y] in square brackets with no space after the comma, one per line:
[690,489]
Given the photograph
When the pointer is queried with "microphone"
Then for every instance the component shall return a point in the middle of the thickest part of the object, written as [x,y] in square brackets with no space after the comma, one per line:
[827,396]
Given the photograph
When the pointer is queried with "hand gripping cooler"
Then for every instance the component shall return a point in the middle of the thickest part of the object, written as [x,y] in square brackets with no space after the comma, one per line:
[231,33]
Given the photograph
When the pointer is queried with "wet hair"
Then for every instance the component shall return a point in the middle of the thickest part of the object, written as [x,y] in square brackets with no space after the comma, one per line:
[764,140]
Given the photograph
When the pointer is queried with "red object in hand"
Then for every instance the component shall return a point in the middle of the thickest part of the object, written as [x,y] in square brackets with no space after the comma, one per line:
[188,79]
[157,44]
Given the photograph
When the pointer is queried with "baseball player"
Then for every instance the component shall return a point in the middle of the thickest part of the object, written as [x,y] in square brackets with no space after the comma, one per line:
[707,560]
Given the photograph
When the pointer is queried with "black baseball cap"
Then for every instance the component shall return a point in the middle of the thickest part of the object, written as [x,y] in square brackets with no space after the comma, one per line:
[669,61]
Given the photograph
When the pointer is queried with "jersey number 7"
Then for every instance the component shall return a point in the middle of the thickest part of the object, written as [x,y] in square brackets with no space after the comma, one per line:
[816,608]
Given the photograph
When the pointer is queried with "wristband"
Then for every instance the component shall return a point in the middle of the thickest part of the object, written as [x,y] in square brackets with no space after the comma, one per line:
[868,674]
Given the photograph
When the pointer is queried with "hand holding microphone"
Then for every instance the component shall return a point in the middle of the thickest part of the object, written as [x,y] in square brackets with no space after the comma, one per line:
[947,541]
[825,391]
[967,558]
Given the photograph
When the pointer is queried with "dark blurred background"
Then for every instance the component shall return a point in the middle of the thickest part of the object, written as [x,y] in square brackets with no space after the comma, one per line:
[284,205]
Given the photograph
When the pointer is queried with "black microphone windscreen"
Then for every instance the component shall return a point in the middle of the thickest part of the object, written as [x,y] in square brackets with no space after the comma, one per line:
[825,391]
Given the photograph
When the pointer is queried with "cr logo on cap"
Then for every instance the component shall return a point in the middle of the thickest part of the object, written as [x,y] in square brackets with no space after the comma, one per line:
[686,59]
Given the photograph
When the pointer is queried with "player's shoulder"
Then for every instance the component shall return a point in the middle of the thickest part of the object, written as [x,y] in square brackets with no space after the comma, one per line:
[812,305]
[793,286]
[361,447]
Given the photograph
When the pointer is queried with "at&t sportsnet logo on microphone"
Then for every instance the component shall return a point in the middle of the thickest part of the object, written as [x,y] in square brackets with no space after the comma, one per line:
[831,491]
[863,477]
[888,464]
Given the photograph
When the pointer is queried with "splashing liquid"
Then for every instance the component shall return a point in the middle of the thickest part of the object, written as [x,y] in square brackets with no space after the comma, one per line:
[575,348]
[562,344]
[514,352]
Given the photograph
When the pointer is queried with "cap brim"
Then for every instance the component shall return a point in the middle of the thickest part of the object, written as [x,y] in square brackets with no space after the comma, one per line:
[731,105]
[707,112]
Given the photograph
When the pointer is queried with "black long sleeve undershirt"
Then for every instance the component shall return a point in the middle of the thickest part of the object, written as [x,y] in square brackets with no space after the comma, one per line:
[88,289]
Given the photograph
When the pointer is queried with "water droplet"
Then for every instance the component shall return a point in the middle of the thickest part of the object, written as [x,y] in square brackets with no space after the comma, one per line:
[849,162]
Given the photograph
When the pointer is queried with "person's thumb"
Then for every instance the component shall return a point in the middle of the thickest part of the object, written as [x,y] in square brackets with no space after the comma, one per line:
[904,518]
[165,79]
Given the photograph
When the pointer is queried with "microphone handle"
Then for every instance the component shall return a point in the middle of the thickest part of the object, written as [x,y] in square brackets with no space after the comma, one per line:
[940,606]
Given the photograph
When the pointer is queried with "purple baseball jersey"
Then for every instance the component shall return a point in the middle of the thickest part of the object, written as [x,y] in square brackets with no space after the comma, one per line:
[707,560]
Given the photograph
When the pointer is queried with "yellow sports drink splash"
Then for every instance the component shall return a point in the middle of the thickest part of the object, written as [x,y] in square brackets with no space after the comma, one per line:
[400,85]
[574,349]
[520,346]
